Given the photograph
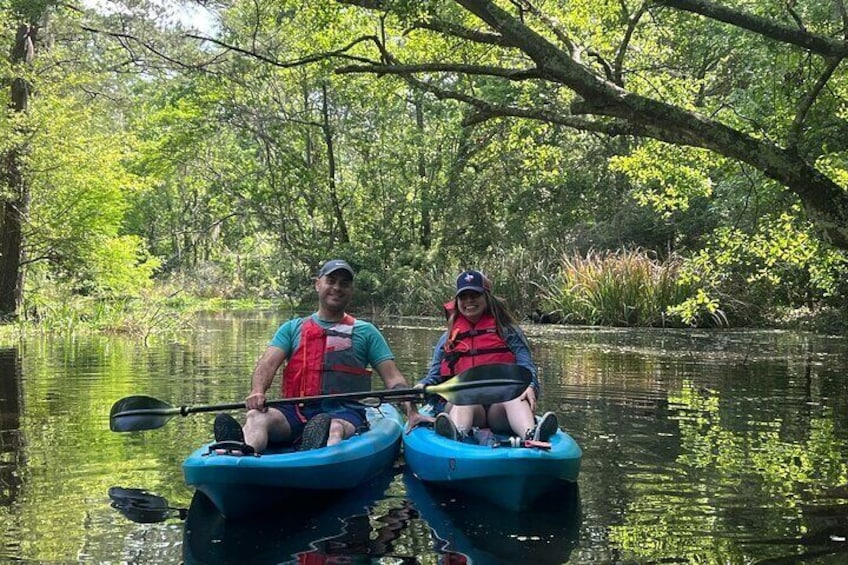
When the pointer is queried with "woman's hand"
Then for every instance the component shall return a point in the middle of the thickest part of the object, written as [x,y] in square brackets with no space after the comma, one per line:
[256,401]
[529,396]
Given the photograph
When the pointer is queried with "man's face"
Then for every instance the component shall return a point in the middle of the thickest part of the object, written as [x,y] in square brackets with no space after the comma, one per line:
[335,290]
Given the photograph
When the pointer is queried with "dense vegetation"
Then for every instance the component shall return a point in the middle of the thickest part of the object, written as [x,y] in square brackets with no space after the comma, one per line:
[607,162]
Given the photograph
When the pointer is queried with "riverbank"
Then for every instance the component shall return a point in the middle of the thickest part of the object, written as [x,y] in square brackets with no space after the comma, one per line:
[167,317]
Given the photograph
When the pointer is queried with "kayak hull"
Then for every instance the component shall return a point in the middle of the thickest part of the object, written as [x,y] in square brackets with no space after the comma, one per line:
[513,478]
[248,485]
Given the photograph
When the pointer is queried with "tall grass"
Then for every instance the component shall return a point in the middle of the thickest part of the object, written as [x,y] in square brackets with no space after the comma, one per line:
[623,288]
[56,311]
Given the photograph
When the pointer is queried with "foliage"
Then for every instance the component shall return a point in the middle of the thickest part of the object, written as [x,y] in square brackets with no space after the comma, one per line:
[777,266]
[55,310]
[625,288]
[79,189]
[232,167]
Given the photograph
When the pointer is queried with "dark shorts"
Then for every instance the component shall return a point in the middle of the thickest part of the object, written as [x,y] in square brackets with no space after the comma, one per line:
[297,416]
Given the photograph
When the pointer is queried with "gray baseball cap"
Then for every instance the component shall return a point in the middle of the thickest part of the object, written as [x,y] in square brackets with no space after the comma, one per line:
[334,265]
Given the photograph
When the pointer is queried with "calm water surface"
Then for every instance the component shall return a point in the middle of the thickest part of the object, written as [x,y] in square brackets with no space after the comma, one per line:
[704,447]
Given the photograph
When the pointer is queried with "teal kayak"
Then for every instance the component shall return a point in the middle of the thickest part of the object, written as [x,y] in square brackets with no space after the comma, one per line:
[514,478]
[249,485]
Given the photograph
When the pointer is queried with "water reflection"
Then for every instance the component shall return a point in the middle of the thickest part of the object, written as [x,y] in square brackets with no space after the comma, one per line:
[489,535]
[10,430]
[143,507]
[357,525]
[698,447]
[826,536]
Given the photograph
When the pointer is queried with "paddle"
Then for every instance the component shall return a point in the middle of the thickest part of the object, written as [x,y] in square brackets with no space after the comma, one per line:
[484,384]
[143,507]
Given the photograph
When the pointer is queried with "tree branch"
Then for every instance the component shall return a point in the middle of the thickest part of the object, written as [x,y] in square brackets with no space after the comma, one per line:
[297,62]
[816,43]
[460,32]
[804,108]
[404,69]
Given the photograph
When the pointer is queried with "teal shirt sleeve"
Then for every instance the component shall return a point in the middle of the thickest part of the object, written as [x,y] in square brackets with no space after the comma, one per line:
[287,336]
[369,344]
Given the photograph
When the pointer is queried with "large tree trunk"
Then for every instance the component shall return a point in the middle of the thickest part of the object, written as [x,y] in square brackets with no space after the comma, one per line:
[15,203]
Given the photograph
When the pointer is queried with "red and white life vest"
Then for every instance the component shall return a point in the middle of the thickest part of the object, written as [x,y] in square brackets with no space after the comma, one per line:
[469,345]
[324,361]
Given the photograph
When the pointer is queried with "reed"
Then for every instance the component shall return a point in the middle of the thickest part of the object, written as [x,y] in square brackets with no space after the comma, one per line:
[63,313]
[628,287]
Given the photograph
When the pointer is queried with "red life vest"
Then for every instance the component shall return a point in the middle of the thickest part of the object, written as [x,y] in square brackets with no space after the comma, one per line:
[324,361]
[471,345]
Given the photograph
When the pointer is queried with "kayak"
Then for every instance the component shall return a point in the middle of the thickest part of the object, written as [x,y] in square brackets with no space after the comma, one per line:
[514,478]
[248,485]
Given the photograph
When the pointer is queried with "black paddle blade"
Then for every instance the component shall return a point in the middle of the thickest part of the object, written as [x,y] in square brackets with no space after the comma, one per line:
[135,413]
[484,384]
[141,506]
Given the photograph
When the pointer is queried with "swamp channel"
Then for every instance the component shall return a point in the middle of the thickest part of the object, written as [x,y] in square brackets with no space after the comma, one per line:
[722,446]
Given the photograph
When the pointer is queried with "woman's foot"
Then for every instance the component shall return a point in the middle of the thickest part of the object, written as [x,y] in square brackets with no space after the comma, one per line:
[445,427]
[547,427]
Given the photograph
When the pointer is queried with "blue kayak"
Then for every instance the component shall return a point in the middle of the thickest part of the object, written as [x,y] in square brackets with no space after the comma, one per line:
[248,485]
[513,478]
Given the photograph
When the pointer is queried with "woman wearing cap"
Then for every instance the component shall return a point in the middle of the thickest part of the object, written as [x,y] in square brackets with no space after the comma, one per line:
[481,331]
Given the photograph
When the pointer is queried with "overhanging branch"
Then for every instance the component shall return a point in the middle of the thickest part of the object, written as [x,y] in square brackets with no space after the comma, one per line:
[768,28]
[404,69]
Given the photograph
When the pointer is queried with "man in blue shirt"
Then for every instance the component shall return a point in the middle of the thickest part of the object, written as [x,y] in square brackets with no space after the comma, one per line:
[324,353]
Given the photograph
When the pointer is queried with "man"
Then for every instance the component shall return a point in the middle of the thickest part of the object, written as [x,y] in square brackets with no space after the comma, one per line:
[327,352]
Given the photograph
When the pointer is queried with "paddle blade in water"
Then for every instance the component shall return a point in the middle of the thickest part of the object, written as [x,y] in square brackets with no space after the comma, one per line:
[135,413]
[484,384]
[141,506]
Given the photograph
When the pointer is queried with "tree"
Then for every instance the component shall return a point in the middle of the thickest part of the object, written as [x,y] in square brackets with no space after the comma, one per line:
[25,16]
[631,81]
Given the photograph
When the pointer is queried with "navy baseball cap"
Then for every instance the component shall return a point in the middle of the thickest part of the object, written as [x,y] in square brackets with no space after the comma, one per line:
[471,280]
[334,265]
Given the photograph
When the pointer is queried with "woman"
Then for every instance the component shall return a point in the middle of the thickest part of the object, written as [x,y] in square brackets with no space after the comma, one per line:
[481,331]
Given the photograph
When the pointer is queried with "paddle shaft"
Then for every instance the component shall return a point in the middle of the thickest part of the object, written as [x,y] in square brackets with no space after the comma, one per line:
[397,395]
[485,384]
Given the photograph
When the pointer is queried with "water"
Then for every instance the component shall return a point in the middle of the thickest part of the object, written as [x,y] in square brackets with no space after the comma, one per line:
[703,447]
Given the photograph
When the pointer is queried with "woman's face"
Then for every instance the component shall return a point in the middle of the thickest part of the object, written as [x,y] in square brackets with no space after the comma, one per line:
[471,304]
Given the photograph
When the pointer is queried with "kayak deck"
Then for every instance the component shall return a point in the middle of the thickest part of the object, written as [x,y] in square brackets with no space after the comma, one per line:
[245,485]
[513,478]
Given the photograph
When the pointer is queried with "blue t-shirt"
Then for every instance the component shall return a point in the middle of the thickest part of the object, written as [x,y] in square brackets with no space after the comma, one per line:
[369,345]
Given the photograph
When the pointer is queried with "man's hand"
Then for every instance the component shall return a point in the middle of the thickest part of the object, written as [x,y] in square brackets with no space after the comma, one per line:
[256,401]
[415,419]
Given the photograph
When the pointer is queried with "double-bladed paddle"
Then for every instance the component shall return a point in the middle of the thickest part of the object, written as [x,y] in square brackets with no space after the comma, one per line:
[484,384]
